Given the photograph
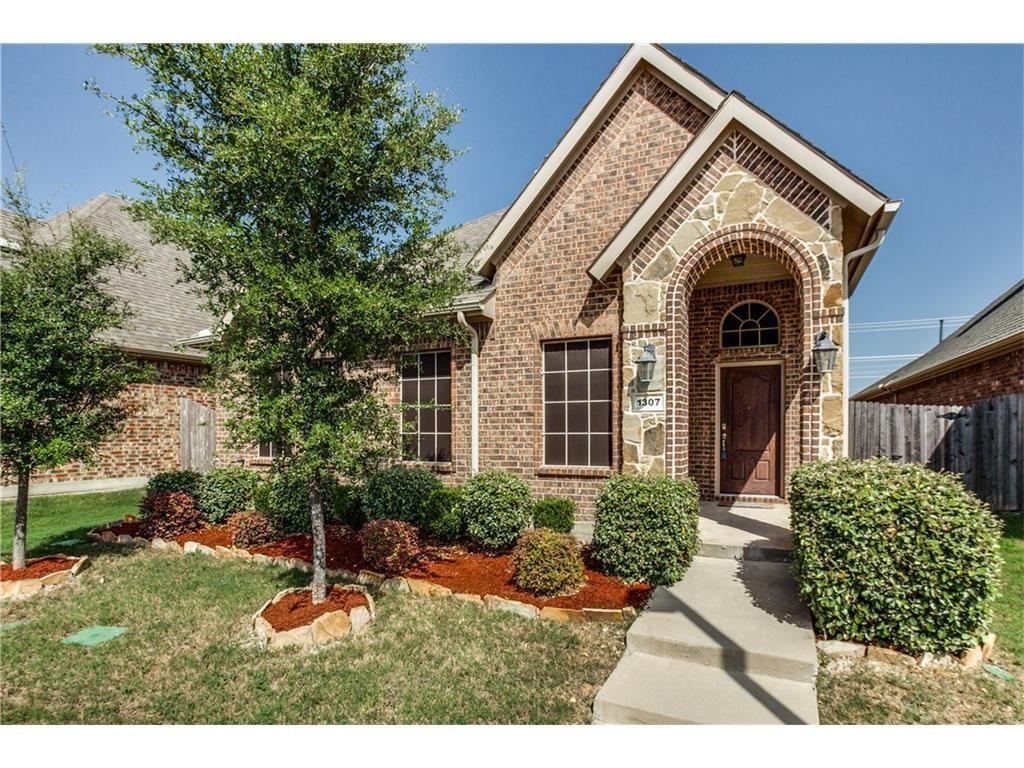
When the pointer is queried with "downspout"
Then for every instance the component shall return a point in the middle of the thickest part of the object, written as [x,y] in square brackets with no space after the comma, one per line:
[474,394]
[874,245]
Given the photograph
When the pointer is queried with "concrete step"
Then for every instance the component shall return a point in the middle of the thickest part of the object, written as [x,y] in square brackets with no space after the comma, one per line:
[647,689]
[736,615]
[746,552]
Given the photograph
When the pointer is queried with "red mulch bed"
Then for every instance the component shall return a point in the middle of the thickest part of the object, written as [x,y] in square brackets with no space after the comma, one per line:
[41,567]
[483,574]
[122,527]
[296,609]
[213,536]
[343,549]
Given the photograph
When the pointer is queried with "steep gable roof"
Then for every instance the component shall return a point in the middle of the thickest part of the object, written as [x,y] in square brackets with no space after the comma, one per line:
[726,112]
[997,326]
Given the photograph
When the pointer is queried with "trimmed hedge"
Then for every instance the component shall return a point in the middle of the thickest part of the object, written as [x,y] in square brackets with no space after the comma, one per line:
[645,528]
[556,513]
[226,490]
[893,554]
[166,515]
[285,499]
[398,493]
[389,546]
[181,481]
[497,508]
[548,563]
[441,517]
[253,529]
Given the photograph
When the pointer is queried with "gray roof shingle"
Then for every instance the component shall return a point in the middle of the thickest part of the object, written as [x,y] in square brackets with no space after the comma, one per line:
[999,321]
[164,309]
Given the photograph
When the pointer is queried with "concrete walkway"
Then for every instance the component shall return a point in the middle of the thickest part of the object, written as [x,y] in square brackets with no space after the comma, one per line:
[730,643]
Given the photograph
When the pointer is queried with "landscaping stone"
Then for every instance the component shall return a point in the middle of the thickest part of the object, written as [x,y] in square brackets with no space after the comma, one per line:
[108,537]
[330,627]
[300,565]
[628,613]
[262,559]
[81,565]
[602,614]
[468,597]
[196,547]
[931,661]
[223,552]
[240,554]
[562,614]
[395,585]
[300,636]
[370,578]
[988,644]
[341,573]
[889,656]
[841,649]
[52,579]
[360,618]
[972,657]
[140,542]
[124,538]
[512,606]
[427,589]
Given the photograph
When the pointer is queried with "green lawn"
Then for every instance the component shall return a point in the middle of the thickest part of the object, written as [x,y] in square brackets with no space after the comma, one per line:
[188,655]
[874,693]
[56,518]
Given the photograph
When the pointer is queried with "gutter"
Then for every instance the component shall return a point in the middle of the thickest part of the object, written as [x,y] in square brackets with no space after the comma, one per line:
[474,393]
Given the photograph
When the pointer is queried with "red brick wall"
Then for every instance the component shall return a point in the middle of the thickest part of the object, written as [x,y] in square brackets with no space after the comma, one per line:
[707,308]
[1000,375]
[150,440]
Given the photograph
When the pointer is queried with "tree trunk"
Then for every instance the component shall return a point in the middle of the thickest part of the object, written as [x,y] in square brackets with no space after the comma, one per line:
[20,522]
[316,511]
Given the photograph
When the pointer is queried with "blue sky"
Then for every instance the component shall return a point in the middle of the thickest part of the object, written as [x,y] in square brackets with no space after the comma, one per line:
[938,126]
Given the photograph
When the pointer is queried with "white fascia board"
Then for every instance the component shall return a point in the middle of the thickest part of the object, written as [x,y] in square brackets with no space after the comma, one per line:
[709,96]
[735,110]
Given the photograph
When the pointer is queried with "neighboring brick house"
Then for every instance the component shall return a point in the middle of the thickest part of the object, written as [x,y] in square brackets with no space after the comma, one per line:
[164,310]
[672,216]
[984,358]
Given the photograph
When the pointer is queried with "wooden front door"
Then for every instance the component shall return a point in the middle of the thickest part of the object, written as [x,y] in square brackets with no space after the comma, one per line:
[749,436]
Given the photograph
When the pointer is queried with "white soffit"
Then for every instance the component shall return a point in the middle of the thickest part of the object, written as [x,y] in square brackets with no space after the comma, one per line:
[735,110]
[703,91]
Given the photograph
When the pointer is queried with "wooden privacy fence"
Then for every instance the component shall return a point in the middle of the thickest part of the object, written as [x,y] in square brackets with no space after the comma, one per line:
[981,442]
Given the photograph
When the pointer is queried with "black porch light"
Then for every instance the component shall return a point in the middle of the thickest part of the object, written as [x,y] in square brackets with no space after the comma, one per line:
[645,364]
[738,259]
[824,352]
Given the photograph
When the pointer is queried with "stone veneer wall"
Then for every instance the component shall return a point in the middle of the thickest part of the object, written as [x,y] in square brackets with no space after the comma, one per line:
[741,200]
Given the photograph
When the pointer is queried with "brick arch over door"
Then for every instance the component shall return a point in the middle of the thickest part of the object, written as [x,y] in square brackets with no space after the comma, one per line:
[752,239]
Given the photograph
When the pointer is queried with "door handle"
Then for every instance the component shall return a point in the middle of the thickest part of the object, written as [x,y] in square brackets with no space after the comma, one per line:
[723,440]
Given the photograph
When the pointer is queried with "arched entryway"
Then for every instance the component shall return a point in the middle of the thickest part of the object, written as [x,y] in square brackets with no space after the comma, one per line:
[741,410]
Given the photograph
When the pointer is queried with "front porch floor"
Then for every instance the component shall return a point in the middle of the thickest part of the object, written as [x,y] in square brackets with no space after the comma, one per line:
[744,531]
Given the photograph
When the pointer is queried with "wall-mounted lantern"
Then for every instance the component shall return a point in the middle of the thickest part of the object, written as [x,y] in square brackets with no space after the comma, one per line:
[824,352]
[738,259]
[645,365]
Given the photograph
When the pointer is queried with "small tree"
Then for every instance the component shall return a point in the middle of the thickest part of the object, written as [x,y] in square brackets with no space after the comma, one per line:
[307,182]
[60,383]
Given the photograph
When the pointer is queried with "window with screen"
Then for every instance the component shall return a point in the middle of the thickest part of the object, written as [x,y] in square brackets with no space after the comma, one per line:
[426,407]
[578,403]
[266,451]
[751,324]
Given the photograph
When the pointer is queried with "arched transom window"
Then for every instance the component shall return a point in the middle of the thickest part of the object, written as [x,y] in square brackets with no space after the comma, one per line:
[750,324]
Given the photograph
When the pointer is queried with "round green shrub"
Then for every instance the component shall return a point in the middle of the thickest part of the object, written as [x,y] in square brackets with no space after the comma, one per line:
[893,554]
[546,562]
[226,490]
[441,517]
[398,493]
[253,529]
[645,528]
[285,499]
[166,515]
[180,481]
[497,508]
[389,546]
[555,512]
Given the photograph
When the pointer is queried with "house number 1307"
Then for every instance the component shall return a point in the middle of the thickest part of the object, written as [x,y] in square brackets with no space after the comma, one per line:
[648,402]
